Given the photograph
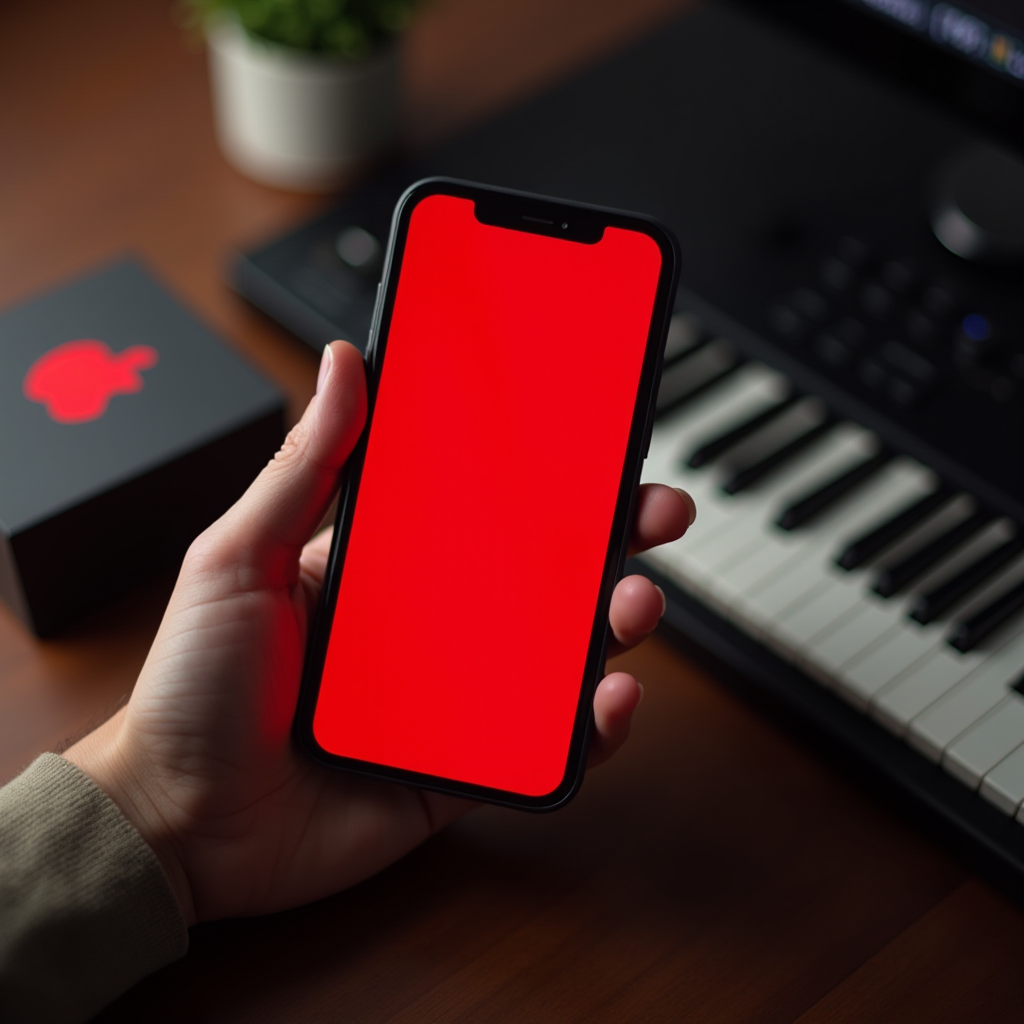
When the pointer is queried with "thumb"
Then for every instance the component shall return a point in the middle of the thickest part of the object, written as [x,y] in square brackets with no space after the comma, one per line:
[263,533]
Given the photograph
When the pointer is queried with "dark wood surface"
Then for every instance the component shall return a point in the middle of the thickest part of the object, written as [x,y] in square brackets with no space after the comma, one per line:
[716,870]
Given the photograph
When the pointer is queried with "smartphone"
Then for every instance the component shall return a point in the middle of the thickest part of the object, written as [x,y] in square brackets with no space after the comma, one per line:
[484,515]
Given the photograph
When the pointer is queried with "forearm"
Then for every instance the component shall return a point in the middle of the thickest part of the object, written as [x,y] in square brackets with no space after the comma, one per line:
[85,907]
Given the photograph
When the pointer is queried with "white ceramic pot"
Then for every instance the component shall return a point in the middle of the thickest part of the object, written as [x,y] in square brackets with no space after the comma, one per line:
[299,120]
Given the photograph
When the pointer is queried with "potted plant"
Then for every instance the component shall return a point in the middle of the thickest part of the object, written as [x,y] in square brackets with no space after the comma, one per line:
[303,90]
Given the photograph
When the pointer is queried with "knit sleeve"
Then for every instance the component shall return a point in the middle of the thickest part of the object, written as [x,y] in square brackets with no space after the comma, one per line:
[85,908]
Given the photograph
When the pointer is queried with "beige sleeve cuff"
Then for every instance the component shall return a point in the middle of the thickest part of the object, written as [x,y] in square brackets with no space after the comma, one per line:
[85,908]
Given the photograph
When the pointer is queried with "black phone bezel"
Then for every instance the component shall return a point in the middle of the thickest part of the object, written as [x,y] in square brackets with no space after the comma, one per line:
[540,215]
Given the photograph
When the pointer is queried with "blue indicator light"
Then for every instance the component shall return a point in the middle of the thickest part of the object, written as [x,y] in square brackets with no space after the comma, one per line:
[976,327]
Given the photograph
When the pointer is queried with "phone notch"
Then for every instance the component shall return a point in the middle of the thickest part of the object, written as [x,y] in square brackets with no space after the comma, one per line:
[552,219]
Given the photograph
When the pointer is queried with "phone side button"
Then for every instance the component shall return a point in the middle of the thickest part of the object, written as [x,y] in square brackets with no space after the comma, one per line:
[371,341]
[648,432]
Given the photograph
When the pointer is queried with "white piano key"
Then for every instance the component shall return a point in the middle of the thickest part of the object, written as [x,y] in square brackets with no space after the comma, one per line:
[824,607]
[902,696]
[770,546]
[900,482]
[923,683]
[1004,784]
[868,675]
[677,557]
[752,386]
[696,560]
[898,650]
[978,750]
[727,523]
[746,517]
[783,587]
[788,563]
[969,700]
[720,515]
[870,623]
[738,575]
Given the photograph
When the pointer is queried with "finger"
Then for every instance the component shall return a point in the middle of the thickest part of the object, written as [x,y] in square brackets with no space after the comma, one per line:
[263,533]
[441,810]
[663,514]
[313,566]
[315,555]
[636,609]
[616,698]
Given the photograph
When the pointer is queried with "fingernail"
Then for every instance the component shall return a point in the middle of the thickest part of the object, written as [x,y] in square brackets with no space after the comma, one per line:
[640,686]
[664,600]
[325,368]
[690,504]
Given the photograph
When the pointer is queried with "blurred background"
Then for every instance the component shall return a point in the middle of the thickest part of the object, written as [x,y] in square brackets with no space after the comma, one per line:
[779,840]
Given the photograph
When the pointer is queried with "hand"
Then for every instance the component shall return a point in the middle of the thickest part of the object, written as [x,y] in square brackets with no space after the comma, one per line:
[201,759]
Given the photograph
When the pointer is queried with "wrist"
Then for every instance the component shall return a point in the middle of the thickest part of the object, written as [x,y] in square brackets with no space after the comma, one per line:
[101,755]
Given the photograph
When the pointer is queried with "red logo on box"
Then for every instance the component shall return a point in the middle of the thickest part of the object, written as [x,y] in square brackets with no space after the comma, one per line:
[75,381]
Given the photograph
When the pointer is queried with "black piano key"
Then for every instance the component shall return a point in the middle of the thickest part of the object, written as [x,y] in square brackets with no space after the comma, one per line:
[676,354]
[679,401]
[693,373]
[863,548]
[817,501]
[684,335]
[929,606]
[714,447]
[750,475]
[893,578]
[966,635]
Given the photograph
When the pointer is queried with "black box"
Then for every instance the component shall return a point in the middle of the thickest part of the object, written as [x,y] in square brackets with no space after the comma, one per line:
[126,428]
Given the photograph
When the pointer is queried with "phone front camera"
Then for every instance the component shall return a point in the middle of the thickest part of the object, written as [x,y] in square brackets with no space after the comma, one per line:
[565,226]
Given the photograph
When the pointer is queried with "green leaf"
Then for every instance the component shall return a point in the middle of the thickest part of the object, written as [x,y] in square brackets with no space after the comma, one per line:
[348,28]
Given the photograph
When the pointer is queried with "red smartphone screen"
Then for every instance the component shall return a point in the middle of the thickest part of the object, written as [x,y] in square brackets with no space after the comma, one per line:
[482,521]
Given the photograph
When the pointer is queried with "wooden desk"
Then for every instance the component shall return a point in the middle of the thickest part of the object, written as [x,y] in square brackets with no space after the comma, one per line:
[715,871]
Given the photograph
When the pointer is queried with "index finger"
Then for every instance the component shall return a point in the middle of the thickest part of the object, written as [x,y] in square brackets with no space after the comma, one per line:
[663,514]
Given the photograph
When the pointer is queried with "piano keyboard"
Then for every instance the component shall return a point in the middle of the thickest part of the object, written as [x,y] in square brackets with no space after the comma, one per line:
[853,562]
